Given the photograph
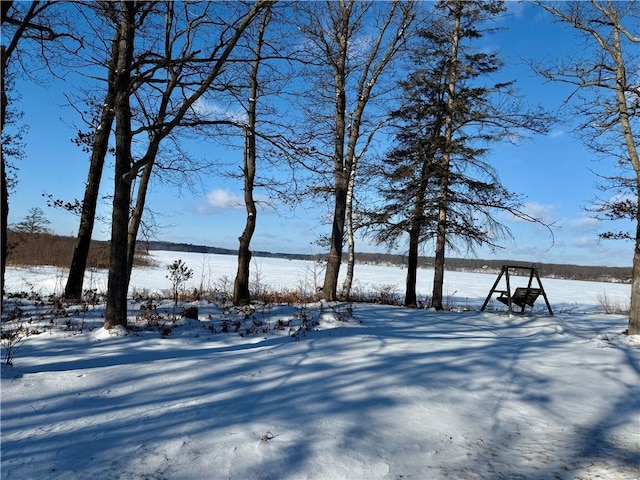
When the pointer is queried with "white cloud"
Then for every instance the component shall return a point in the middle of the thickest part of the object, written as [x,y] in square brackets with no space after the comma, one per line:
[214,111]
[219,199]
[556,133]
[223,199]
[586,241]
[539,211]
[622,197]
[583,225]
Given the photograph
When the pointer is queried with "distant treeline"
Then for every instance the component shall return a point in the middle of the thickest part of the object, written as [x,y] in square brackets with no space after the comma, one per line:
[25,249]
[548,270]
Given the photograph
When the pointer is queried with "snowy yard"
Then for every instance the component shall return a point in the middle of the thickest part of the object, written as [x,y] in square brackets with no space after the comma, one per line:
[339,391]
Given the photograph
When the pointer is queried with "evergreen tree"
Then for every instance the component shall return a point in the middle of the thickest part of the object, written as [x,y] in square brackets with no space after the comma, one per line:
[34,222]
[437,183]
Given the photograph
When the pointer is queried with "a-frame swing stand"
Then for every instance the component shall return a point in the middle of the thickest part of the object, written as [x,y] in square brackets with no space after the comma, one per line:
[521,296]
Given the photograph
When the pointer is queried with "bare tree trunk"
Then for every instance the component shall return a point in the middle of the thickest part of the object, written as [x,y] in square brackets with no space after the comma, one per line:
[589,74]
[75,280]
[116,310]
[136,215]
[337,238]
[5,224]
[241,294]
[340,170]
[382,50]
[5,190]
[632,149]
[410,297]
[441,229]
[634,310]
[161,125]
[438,265]
[351,256]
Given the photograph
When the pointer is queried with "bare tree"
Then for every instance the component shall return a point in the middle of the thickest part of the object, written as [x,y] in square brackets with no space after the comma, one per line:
[177,76]
[98,145]
[20,21]
[257,79]
[241,294]
[34,222]
[354,60]
[116,310]
[607,98]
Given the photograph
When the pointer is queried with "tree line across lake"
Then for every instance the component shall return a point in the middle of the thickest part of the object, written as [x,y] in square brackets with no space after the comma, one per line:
[548,270]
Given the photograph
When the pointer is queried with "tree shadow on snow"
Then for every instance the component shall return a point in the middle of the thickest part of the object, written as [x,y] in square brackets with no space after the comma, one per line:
[461,394]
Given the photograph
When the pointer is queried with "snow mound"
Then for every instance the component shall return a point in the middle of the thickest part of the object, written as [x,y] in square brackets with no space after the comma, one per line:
[104,334]
[633,340]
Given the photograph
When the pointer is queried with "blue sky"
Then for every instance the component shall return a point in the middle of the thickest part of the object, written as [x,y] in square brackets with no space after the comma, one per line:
[553,172]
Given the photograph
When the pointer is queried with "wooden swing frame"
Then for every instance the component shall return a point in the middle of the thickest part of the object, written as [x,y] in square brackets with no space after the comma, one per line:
[522,296]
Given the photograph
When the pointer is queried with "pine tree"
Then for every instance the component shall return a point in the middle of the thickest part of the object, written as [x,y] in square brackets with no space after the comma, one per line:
[438,184]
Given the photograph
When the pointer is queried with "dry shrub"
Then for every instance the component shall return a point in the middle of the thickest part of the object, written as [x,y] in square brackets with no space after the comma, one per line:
[381,294]
[613,305]
[56,250]
[285,297]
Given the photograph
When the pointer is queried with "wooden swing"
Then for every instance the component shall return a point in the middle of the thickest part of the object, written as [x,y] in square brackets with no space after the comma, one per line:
[522,296]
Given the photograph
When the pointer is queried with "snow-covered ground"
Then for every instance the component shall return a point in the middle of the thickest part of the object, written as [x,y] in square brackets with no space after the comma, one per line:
[218,272]
[339,391]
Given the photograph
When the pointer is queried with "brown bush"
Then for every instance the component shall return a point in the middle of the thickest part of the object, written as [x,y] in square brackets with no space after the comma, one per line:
[288,297]
[55,250]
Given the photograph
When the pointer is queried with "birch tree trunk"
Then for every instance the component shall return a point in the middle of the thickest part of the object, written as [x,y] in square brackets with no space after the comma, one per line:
[351,256]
